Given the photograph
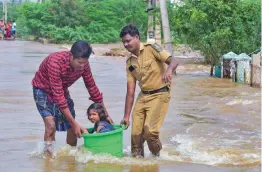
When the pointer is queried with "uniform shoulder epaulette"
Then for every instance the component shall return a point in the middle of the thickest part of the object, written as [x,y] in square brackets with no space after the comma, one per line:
[155,46]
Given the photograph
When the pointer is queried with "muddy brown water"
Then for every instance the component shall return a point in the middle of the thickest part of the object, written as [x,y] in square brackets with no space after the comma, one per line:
[212,124]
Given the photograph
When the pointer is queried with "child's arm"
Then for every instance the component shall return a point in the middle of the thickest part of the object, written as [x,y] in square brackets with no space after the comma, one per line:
[99,128]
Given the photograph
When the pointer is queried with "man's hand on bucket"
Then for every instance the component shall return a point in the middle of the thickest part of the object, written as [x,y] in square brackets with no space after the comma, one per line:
[84,130]
[125,121]
[78,130]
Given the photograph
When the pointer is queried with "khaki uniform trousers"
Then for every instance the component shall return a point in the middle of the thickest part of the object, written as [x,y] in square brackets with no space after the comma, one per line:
[147,118]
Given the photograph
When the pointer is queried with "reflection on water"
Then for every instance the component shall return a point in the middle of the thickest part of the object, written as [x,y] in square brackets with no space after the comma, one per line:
[212,124]
[68,163]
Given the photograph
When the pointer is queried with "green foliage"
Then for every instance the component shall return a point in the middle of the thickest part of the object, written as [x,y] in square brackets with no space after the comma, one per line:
[216,27]
[70,20]
[12,12]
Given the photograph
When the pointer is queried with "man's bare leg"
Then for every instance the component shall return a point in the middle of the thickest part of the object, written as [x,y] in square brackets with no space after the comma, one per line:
[49,136]
[71,138]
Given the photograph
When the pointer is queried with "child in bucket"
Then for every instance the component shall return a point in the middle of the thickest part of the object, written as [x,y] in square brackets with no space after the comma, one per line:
[96,114]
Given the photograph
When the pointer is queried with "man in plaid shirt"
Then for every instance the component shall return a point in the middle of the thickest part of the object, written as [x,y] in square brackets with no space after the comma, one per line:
[57,72]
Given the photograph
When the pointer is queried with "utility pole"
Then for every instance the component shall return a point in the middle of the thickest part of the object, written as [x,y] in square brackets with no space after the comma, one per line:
[165,27]
[158,26]
[150,30]
[5,10]
[3,17]
[166,30]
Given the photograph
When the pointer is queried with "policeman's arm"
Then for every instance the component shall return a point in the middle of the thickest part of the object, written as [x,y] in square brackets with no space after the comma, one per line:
[130,96]
[164,56]
[172,63]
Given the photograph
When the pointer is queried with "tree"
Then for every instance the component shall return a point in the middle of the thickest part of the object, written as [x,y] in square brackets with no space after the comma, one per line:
[97,21]
[216,27]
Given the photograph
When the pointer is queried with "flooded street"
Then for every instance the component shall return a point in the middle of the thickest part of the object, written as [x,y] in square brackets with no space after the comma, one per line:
[212,124]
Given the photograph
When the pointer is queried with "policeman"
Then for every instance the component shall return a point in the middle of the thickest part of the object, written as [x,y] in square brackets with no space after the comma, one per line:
[146,65]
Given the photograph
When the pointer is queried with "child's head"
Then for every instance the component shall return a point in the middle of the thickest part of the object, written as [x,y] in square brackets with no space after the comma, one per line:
[96,113]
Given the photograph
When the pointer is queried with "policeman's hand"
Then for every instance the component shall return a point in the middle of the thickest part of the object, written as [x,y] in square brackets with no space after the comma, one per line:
[110,120]
[167,76]
[125,121]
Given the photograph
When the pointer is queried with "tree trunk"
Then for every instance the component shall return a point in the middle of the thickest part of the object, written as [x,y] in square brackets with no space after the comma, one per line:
[211,69]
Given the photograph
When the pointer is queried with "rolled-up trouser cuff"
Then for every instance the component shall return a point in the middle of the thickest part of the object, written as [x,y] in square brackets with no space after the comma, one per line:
[137,152]
[154,146]
[137,148]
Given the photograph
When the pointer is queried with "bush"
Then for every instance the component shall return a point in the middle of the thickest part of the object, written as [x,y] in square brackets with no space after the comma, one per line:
[70,20]
[216,27]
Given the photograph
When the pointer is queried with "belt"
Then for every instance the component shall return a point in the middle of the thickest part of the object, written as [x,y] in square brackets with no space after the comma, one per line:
[163,89]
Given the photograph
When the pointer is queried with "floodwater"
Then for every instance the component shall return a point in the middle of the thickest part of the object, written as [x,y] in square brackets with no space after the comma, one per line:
[212,124]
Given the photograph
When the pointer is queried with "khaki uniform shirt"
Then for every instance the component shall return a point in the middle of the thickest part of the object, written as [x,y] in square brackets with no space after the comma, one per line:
[148,67]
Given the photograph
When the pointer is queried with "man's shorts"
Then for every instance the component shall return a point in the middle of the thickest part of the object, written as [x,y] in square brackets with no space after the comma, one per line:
[47,107]
[13,32]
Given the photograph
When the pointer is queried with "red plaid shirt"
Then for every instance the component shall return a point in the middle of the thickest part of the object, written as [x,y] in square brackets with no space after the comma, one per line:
[55,75]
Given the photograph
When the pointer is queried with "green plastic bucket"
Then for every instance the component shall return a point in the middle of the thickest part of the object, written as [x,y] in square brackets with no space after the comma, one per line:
[108,142]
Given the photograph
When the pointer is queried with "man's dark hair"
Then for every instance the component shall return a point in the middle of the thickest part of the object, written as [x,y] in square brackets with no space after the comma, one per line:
[81,49]
[97,107]
[130,29]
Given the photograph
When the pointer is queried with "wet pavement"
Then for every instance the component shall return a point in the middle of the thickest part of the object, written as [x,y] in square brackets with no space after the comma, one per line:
[212,124]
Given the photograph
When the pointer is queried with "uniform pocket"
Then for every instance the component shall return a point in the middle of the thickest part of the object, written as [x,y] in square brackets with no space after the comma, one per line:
[147,64]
